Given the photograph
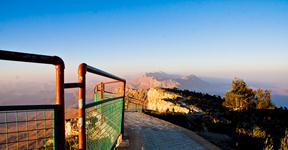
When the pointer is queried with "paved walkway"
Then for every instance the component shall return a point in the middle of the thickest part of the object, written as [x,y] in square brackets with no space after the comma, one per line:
[144,132]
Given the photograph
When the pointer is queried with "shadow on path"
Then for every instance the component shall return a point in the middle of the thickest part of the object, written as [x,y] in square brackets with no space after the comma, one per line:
[146,132]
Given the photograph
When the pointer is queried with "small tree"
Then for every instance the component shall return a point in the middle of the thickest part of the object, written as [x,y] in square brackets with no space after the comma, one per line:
[240,97]
[260,98]
[267,99]
[284,141]
[263,99]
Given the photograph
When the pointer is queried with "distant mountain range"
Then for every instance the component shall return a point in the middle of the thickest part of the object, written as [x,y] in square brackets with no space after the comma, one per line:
[26,92]
[189,82]
[192,82]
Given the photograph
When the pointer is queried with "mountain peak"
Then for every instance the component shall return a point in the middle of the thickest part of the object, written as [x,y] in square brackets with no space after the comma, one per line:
[166,80]
[161,76]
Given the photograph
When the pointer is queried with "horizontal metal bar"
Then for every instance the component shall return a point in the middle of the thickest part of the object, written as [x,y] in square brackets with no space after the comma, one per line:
[106,92]
[109,82]
[28,107]
[11,142]
[22,111]
[102,101]
[89,111]
[33,58]
[103,73]
[22,121]
[23,131]
[109,92]
[72,85]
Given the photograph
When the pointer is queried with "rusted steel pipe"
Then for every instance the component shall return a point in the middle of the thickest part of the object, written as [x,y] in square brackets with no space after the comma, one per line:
[110,82]
[33,58]
[102,73]
[96,87]
[59,114]
[81,103]
[71,85]
[102,89]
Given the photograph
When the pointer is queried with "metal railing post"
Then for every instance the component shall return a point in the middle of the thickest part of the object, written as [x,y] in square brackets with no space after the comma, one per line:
[96,89]
[123,106]
[102,89]
[59,132]
[81,102]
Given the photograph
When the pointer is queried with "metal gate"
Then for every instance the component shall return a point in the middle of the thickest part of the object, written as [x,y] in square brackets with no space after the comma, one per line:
[34,126]
[101,122]
[43,126]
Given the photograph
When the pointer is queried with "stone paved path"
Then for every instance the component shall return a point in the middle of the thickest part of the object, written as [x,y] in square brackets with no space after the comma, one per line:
[149,133]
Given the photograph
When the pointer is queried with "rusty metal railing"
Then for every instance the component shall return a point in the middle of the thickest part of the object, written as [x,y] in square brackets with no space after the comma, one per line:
[110,110]
[22,120]
[43,126]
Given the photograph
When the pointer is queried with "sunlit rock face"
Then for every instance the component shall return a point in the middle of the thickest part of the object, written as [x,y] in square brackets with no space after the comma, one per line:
[140,94]
[160,100]
[156,101]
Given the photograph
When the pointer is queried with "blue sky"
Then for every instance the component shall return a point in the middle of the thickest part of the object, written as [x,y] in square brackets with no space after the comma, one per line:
[246,39]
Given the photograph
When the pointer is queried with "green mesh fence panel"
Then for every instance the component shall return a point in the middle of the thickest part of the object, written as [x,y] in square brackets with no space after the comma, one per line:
[103,122]
[26,129]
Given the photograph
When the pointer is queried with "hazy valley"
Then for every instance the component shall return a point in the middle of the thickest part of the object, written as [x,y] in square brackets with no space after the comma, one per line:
[24,92]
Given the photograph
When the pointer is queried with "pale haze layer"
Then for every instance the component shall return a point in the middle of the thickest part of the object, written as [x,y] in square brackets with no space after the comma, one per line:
[223,39]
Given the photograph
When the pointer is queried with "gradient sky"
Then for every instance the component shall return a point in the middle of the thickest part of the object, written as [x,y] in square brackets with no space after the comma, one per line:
[246,39]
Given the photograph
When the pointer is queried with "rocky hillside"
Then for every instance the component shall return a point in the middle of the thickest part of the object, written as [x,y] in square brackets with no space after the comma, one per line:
[161,100]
